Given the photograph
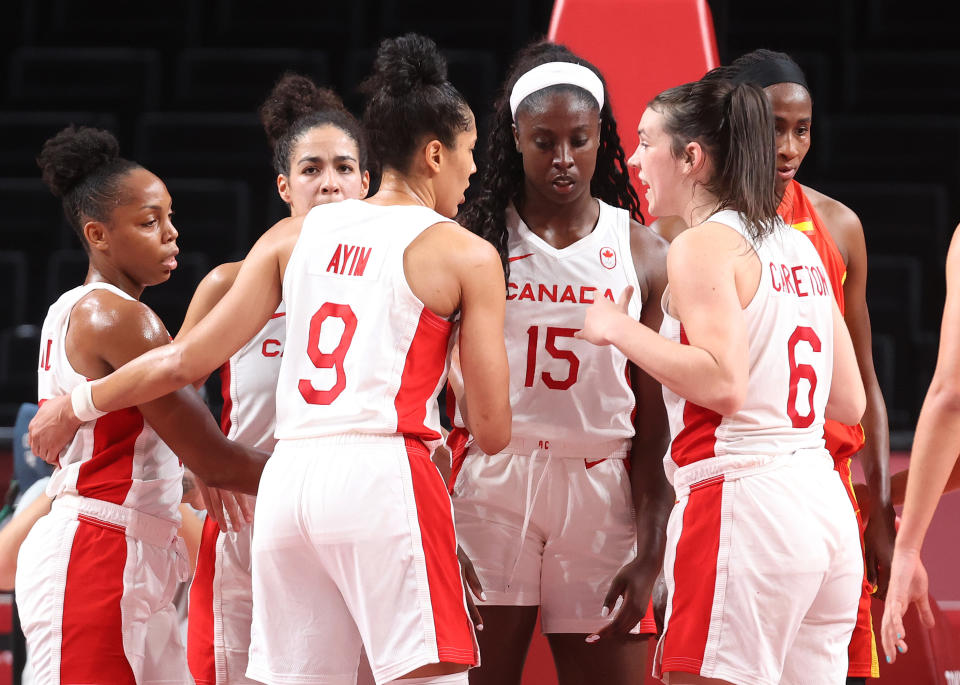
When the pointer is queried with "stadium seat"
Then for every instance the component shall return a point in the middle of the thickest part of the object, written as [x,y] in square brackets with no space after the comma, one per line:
[747,25]
[65,269]
[260,24]
[873,81]
[888,147]
[212,216]
[30,216]
[118,23]
[893,293]
[922,26]
[24,133]
[206,144]
[238,80]
[95,78]
[19,356]
[13,285]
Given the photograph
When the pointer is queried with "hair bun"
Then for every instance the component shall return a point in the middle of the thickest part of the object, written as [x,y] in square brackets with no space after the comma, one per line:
[293,97]
[406,64]
[73,154]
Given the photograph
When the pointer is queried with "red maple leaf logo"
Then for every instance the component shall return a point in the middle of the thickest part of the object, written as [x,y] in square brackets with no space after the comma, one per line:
[608,253]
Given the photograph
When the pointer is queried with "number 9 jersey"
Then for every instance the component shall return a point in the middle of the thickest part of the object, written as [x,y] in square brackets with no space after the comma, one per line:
[562,390]
[362,354]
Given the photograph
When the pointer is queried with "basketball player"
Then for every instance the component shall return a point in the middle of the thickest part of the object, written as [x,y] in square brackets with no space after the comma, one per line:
[762,566]
[933,460]
[359,542]
[320,156]
[96,576]
[558,202]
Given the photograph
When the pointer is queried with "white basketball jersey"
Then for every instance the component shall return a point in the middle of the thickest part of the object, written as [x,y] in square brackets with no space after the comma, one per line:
[249,386]
[117,458]
[790,335]
[362,352]
[565,391]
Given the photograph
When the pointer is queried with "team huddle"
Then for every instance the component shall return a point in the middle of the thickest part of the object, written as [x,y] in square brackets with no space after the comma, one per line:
[627,413]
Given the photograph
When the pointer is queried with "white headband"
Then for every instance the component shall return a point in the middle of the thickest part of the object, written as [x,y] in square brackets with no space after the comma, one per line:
[555,74]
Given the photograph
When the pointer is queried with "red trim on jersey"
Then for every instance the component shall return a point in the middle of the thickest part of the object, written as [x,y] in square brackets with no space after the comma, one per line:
[91,649]
[457,440]
[277,315]
[108,474]
[796,210]
[201,657]
[424,367]
[698,438]
[452,625]
[694,579]
[227,409]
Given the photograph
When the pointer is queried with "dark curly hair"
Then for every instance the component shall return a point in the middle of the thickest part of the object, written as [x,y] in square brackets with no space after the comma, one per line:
[501,180]
[409,97]
[83,167]
[296,105]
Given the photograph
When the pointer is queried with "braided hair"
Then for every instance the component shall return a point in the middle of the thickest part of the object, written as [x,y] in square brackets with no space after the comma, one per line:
[501,180]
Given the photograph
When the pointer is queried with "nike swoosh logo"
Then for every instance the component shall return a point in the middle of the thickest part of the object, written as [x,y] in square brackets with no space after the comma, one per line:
[523,256]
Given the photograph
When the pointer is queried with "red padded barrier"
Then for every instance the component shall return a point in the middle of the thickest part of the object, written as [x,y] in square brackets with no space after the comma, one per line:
[641,46]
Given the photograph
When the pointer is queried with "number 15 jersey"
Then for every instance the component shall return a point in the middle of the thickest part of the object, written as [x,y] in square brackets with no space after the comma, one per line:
[362,354]
[565,390]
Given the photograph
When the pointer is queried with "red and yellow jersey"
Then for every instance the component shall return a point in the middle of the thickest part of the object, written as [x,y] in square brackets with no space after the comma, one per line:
[796,210]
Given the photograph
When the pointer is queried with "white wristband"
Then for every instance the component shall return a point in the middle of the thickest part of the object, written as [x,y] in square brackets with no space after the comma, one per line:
[81,398]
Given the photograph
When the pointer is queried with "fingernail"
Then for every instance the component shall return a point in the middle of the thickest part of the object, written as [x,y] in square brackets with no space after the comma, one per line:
[479,626]
[483,596]
[592,638]
[899,636]
[604,612]
[889,661]
[900,649]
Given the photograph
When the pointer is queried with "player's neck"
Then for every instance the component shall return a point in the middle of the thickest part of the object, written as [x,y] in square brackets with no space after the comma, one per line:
[113,275]
[558,224]
[398,190]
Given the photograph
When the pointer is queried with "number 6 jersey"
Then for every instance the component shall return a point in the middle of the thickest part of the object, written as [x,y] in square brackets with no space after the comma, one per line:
[362,354]
[790,335]
[565,391]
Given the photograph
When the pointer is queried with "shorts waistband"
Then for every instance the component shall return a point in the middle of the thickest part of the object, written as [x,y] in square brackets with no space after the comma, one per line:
[151,529]
[339,439]
[736,467]
[559,449]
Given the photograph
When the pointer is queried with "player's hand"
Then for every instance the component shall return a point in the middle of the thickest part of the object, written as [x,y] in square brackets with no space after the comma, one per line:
[908,583]
[52,428]
[627,599]
[878,540]
[232,510]
[471,581]
[602,317]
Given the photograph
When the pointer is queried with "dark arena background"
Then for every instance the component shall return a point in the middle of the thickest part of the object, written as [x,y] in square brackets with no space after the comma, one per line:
[179,84]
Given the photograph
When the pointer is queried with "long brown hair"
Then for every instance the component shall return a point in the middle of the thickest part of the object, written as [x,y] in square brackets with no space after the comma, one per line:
[734,125]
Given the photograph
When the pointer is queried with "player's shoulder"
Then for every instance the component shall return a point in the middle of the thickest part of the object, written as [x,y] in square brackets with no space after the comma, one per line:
[647,241]
[218,281]
[460,244]
[103,314]
[839,219]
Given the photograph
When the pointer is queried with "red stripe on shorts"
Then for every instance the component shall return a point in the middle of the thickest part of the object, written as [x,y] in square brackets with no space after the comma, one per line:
[438,538]
[201,657]
[227,410]
[424,367]
[694,579]
[698,437]
[91,650]
[108,474]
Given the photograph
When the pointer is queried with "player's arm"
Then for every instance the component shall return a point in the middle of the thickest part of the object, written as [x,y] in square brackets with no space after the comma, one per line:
[936,444]
[847,231]
[847,398]
[12,536]
[181,419]
[713,369]
[653,496]
[209,291]
[483,356]
[243,311]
